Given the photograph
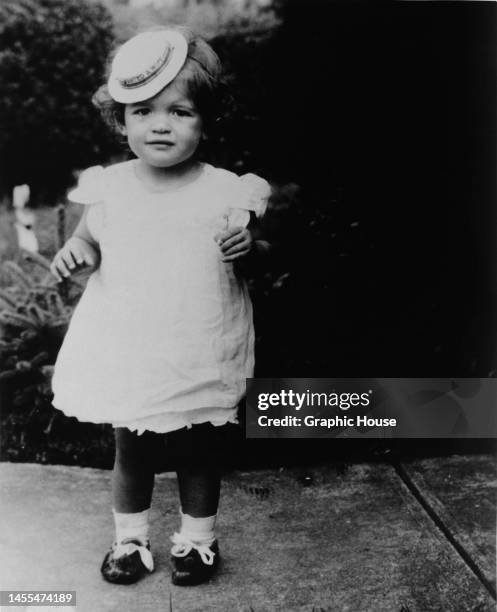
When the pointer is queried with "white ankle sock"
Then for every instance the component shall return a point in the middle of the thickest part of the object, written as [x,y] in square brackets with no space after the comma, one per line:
[198,530]
[131,525]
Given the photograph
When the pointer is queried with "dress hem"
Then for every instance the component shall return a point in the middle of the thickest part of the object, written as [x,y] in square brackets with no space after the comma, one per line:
[180,422]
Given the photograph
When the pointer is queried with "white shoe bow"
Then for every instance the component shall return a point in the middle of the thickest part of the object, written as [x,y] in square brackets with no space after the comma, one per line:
[128,548]
[182,546]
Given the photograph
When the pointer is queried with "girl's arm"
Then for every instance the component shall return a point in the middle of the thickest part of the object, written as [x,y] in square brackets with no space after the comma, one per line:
[80,250]
[83,232]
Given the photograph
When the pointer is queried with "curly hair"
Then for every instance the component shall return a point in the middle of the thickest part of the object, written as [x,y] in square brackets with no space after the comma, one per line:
[201,75]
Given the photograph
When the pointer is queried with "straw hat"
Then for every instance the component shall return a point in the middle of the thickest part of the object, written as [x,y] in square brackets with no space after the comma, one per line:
[145,64]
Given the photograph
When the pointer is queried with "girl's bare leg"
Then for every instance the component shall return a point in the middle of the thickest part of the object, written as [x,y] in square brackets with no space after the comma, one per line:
[132,485]
[199,488]
[133,475]
[195,554]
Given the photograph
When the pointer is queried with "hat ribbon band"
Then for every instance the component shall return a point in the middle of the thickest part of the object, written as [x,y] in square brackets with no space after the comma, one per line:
[145,77]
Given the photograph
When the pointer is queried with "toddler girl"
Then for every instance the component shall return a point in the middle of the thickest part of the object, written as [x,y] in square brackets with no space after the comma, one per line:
[162,339]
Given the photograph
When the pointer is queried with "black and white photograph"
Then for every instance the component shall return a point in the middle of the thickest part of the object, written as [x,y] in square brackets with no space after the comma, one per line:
[248,305]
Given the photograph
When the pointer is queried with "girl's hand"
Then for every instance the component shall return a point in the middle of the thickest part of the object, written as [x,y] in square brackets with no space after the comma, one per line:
[75,254]
[234,243]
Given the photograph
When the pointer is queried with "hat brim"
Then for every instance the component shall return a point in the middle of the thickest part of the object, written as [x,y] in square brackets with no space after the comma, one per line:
[140,93]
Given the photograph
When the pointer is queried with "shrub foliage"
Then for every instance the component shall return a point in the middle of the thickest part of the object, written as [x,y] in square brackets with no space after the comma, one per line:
[33,320]
[34,314]
[52,55]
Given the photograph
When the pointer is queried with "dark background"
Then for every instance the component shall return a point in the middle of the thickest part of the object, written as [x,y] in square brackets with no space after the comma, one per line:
[384,114]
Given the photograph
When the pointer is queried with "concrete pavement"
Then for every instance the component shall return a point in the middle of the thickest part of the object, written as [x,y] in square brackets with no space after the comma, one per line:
[375,537]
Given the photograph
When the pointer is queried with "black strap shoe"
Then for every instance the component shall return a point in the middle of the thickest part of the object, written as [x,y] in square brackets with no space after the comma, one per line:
[192,563]
[127,562]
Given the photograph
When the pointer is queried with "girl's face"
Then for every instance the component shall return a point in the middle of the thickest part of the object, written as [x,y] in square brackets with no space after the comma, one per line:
[165,130]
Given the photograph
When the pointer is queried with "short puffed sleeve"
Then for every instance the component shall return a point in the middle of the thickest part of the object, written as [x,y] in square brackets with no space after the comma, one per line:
[252,194]
[90,191]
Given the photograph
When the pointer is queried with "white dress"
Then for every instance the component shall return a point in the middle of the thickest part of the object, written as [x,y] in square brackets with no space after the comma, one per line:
[162,337]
